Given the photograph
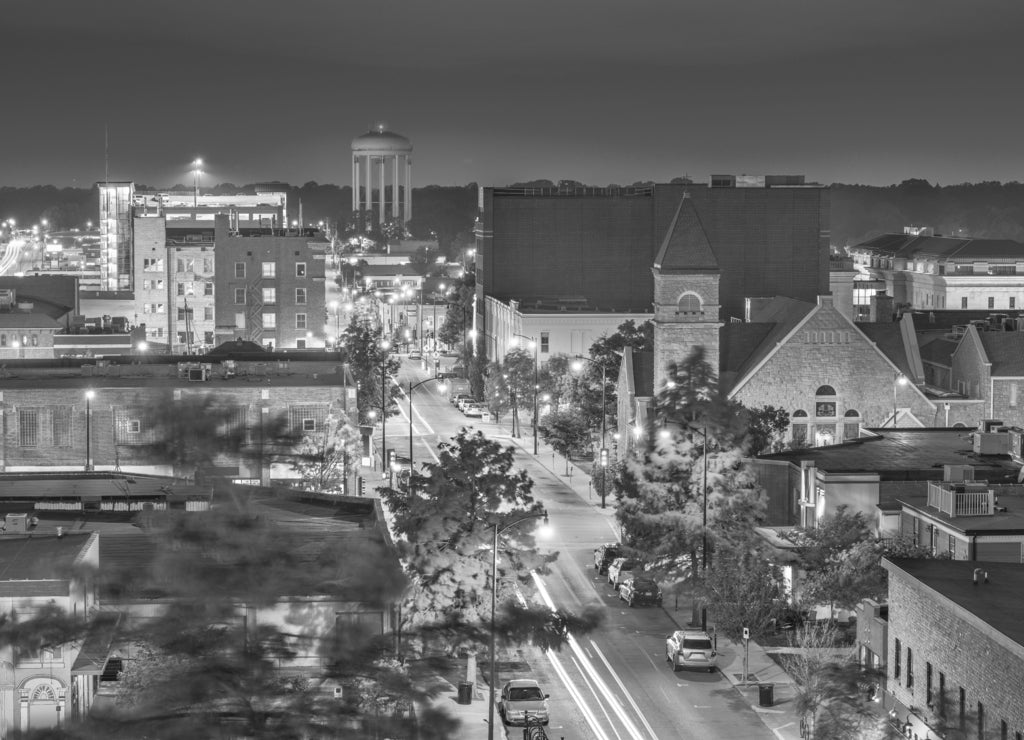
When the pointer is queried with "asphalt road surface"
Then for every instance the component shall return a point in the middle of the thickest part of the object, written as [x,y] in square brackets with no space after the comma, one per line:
[614,684]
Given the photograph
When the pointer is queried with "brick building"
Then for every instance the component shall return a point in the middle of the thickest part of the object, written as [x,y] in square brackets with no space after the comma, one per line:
[955,648]
[596,245]
[270,287]
[45,425]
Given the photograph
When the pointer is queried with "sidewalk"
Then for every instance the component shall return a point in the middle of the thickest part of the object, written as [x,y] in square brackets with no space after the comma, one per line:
[472,717]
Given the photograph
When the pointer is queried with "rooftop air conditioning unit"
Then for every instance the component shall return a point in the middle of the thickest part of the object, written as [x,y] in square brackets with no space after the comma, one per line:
[197,374]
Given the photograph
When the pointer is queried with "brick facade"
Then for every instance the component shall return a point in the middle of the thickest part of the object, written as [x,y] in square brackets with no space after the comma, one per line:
[968,652]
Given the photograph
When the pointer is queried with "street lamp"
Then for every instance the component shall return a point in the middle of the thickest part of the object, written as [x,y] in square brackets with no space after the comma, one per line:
[899,380]
[196,173]
[536,382]
[89,395]
[494,608]
[412,387]
[580,359]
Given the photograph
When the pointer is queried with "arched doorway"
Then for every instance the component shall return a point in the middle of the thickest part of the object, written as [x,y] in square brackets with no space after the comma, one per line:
[42,702]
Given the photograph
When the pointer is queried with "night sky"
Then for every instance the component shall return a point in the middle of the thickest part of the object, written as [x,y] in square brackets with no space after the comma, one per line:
[873,92]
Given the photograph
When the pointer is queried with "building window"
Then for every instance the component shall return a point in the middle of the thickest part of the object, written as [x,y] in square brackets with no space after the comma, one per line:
[928,697]
[207,288]
[300,296]
[182,314]
[240,270]
[991,302]
[28,427]
[300,321]
[207,313]
[239,296]
[981,721]
[963,302]
[308,417]
[180,266]
[269,269]
[963,707]
[3,340]
[300,269]
[690,305]
[60,423]
[1013,302]
[35,340]
[942,694]
[545,341]
[897,652]
[952,547]
[181,289]
[270,321]
[851,424]
[309,425]
[207,265]
[208,337]
[1004,731]
[270,295]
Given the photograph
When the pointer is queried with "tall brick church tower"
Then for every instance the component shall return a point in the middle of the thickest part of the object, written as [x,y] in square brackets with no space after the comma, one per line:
[686,301]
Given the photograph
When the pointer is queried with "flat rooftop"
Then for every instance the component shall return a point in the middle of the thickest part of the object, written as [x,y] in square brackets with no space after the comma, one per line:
[1009,522]
[40,557]
[998,603]
[905,454]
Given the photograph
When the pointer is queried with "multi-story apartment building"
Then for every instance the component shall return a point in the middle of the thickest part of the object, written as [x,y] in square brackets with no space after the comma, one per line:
[931,272]
[271,287]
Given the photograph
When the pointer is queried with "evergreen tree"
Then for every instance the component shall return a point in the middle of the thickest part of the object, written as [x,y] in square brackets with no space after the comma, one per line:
[371,362]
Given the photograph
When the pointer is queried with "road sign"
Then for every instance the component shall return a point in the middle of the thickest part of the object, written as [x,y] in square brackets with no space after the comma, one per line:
[746,633]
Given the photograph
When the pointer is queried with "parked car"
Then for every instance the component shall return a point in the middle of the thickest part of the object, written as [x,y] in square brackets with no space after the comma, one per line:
[619,568]
[522,698]
[640,590]
[458,398]
[464,402]
[605,554]
[474,410]
[415,356]
[690,649]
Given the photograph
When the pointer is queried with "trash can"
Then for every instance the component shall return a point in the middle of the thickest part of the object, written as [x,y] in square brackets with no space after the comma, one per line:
[766,694]
[465,692]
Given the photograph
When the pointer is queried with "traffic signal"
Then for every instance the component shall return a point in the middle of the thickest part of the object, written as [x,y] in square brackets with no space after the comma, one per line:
[362,486]
[604,457]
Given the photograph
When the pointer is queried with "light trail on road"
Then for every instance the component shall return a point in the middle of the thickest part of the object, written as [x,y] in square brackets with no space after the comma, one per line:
[600,688]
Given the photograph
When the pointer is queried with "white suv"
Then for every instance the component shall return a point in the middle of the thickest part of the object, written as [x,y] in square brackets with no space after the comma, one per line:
[690,649]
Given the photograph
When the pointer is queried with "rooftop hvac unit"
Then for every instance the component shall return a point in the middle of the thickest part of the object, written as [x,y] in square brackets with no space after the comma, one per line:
[197,374]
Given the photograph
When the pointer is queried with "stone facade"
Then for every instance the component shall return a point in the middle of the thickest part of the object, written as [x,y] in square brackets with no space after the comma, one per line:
[678,331]
[827,350]
[964,653]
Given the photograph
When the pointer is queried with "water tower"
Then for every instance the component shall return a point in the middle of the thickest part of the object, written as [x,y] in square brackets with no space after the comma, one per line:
[383,152]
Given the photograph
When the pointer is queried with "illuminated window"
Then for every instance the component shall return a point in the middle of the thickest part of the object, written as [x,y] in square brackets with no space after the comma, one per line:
[270,321]
[270,295]
[300,269]
[269,269]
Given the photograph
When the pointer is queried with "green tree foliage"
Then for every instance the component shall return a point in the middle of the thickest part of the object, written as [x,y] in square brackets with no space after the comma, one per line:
[459,317]
[326,462]
[194,431]
[831,686]
[566,431]
[842,559]
[662,493]
[742,589]
[766,430]
[203,669]
[446,532]
[372,363]
[497,393]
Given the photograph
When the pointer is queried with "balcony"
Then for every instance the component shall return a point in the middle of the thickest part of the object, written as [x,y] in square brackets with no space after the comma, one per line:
[961,498]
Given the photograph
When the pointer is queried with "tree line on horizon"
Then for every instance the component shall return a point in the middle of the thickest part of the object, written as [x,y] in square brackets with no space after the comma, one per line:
[859,212]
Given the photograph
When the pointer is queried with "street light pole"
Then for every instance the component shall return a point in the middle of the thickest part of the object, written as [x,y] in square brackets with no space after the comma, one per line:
[494,609]
[89,394]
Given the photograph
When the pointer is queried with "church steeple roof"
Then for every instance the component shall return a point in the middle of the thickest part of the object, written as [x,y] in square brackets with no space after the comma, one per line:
[686,247]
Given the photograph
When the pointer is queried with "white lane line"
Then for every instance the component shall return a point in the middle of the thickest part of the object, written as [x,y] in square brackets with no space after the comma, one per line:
[593,690]
[622,687]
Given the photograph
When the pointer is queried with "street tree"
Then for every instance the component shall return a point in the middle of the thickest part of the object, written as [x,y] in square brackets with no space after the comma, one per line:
[497,392]
[325,462]
[372,363]
[743,589]
[554,377]
[766,429]
[566,431]
[458,319]
[445,532]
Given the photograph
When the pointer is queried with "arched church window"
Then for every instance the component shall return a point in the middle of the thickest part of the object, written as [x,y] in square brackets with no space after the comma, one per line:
[798,426]
[851,424]
[800,414]
[825,407]
[825,390]
[690,305]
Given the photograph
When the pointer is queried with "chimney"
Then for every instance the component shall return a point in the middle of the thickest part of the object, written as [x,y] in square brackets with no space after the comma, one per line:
[881,309]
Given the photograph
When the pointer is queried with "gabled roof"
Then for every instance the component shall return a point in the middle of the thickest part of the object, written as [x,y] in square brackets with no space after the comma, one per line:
[742,349]
[686,246]
[888,337]
[1005,350]
[937,350]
